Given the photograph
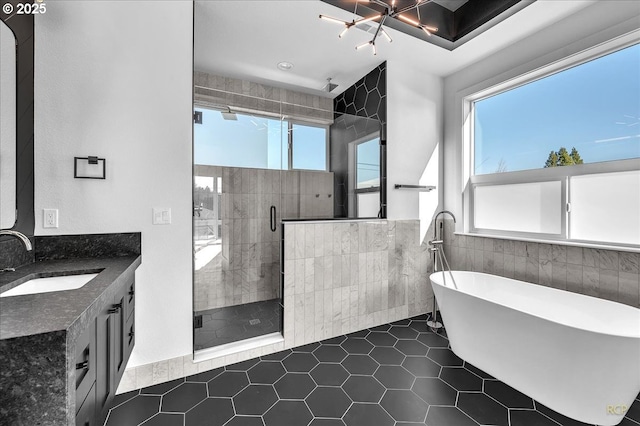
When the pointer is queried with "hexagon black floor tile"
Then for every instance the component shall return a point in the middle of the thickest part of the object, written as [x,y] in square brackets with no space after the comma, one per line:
[184,397]
[255,400]
[363,389]
[330,353]
[134,411]
[381,339]
[421,366]
[228,383]
[360,364]
[434,391]
[411,347]
[444,357]
[404,405]
[357,346]
[326,422]
[563,420]
[367,414]
[210,412]
[294,386]
[341,382]
[403,332]
[507,395]
[433,340]
[266,372]
[449,416]
[461,379]
[387,356]
[529,418]
[300,362]
[394,377]
[328,402]
[483,409]
[245,421]
[165,419]
[329,374]
[290,413]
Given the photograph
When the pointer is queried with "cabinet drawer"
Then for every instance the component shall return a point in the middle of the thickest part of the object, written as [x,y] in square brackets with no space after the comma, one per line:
[86,415]
[85,363]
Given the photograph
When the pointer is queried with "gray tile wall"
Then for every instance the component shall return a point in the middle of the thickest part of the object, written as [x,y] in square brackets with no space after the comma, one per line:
[247,268]
[607,274]
[233,92]
[343,277]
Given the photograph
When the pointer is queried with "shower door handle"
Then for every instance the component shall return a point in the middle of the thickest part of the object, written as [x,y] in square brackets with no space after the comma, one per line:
[273,218]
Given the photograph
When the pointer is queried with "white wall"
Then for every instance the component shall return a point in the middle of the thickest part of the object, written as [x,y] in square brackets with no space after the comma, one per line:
[595,24]
[414,134]
[114,79]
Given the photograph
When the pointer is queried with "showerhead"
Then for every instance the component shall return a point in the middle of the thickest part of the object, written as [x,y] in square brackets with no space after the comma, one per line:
[329,86]
[228,115]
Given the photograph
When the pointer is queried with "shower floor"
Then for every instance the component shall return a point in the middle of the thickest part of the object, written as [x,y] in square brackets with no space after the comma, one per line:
[238,322]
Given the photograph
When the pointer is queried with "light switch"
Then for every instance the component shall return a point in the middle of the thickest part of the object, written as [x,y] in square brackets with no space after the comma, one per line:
[161,216]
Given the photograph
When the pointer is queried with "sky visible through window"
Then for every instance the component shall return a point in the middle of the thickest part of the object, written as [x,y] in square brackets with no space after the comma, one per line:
[368,163]
[256,142]
[594,107]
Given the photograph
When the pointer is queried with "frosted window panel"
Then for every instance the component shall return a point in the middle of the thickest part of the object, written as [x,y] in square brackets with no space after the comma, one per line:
[606,207]
[368,204]
[526,207]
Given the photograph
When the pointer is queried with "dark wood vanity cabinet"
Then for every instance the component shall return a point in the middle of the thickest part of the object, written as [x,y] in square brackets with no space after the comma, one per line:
[113,339]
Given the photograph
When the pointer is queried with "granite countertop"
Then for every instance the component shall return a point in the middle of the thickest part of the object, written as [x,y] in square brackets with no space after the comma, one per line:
[56,311]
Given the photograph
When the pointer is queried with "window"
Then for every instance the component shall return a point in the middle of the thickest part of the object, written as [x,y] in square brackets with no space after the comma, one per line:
[243,140]
[367,177]
[558,157]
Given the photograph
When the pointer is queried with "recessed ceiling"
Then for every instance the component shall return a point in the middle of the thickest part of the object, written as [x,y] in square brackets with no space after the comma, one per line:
[247,39]
[452,5]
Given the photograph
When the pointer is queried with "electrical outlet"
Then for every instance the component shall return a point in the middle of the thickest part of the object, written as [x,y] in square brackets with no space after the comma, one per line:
[50,218]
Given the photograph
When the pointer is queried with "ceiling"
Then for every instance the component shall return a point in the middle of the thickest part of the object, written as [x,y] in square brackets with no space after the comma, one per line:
[247,39]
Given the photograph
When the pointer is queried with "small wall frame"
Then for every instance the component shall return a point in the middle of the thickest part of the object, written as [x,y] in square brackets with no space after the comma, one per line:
[89,167]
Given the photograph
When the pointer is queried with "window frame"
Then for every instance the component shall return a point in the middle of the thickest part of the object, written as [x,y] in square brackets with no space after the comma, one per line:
[371,189]
[563,174]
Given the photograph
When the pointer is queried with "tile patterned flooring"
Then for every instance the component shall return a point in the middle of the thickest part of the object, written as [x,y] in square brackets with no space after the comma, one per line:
[238,322]
[398,374]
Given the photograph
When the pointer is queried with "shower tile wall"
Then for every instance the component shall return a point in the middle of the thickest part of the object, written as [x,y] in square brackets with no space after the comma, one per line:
[247,268]
[607,274]
[343,277]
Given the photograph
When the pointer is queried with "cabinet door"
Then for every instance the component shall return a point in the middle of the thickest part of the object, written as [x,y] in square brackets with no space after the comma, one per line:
[85,363]
[120,335]
[86,415]
[105,362]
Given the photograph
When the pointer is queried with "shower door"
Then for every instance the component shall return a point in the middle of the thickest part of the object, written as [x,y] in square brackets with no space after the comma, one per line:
[237,199]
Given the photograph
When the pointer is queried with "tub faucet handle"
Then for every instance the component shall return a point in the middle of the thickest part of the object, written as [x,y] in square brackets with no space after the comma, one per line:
[435,242]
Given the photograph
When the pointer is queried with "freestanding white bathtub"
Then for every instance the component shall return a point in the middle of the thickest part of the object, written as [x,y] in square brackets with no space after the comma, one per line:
[576,354]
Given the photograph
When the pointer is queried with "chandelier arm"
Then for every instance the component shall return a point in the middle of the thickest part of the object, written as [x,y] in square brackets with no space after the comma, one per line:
[377,33]
[408,8]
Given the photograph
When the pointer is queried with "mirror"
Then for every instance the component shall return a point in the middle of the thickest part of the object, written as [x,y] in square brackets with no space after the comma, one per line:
[7,127]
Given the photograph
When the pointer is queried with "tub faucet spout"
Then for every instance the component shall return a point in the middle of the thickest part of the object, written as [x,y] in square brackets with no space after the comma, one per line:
[19,235]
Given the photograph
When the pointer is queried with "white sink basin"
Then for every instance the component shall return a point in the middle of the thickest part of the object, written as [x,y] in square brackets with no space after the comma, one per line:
[49,284]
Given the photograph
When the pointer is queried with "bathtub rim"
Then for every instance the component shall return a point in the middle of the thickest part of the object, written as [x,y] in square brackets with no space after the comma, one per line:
[611,332]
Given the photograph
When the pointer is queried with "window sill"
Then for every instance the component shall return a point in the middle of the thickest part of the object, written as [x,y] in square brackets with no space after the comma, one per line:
[556,242]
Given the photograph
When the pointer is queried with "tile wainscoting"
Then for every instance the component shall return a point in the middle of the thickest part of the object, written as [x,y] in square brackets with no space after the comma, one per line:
[606,274]
[339,277]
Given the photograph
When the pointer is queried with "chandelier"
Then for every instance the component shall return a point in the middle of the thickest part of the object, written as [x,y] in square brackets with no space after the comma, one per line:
[389,11]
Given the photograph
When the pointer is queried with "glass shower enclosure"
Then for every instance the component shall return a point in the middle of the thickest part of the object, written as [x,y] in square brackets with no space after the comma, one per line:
[237,207]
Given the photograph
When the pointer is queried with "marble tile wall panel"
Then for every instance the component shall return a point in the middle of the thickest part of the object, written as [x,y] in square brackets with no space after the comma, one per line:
[607,274]
[246,269]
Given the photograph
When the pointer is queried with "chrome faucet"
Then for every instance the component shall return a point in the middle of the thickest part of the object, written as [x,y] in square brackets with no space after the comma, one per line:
[19,235]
